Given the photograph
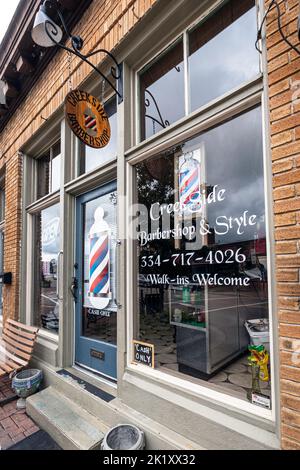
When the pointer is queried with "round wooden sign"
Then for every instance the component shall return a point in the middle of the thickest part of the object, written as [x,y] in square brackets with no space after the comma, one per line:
[87,118]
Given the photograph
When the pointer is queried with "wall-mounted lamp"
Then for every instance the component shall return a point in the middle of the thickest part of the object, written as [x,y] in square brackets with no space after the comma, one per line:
[42,24]
[47,33]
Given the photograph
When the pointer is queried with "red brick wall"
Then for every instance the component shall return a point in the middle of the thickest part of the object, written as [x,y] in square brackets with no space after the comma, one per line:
[283,74]
[12,238]
[103,25]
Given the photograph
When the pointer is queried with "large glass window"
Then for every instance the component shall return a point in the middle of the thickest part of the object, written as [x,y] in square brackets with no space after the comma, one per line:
[162,91]
[91,158]
[49,171]
[220,55]
[47,227]
[203,278]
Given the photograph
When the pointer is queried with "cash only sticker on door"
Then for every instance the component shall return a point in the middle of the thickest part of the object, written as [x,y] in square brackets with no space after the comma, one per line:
[87,118]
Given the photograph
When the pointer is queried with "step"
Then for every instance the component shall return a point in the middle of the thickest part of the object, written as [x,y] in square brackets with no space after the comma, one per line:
[115,412]
[72,427]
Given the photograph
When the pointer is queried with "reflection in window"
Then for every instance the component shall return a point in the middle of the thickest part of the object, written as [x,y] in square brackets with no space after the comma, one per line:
[49,171]
[222,52]
[162,91]
[48,238]
[202,258]
[92,158]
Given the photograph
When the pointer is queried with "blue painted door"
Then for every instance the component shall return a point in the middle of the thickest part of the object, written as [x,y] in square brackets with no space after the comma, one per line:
[96,309]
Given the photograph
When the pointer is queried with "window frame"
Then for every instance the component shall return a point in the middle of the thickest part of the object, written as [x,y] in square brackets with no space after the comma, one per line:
[184,33]
[31,212]
[33,206]
[50,149]
[240,99]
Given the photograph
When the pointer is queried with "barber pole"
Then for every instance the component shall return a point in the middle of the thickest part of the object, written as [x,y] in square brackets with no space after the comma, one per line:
[90,122]
[99,262]
[189,183]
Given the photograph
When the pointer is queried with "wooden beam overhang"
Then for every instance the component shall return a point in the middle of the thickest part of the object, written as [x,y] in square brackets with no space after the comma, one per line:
[21,61]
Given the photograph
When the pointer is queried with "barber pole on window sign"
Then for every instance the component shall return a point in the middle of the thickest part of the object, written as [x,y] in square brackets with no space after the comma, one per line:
[189,183]
[99,262]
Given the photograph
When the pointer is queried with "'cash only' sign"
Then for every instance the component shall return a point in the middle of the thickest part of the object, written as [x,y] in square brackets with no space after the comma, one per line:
[143,353]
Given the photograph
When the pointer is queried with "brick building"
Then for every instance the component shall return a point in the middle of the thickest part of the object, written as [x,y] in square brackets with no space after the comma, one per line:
[205,139]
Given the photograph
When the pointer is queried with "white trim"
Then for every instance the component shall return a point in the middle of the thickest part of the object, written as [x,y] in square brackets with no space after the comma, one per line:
[270,259]
[187,95]
[45,334]
[224,107]
[208,393]
[269,223]
[43,203]
[255,428]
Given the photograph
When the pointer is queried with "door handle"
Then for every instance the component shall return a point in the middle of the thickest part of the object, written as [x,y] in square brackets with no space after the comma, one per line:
[58,276]
[118,244]
[73,288]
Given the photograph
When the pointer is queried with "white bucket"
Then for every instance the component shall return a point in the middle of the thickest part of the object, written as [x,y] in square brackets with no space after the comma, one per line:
[258,337]
[124,437]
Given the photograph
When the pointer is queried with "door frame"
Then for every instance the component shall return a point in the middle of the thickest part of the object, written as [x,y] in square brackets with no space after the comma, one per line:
[80,200]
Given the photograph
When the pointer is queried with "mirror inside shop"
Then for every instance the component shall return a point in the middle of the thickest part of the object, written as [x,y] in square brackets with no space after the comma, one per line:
[202,250]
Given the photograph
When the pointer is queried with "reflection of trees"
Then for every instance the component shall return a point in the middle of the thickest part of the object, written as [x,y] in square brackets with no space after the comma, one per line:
[155,181]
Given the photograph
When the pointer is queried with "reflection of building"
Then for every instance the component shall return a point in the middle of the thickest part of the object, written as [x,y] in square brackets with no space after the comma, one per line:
[46,268]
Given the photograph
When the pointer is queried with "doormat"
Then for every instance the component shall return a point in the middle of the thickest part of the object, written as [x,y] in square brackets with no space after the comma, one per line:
[7,400]
[88,386]
[40,440]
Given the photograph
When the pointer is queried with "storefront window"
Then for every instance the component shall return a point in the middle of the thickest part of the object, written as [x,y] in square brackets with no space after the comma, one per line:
[162,91]
[49,171]
[46,312]
[222,53]
[91,158]
[203,278]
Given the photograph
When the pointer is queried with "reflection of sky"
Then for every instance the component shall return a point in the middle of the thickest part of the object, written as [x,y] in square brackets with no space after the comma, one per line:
[97,157]
[50,249]
[55,173]
[168,92]
[233,161]
[224,62]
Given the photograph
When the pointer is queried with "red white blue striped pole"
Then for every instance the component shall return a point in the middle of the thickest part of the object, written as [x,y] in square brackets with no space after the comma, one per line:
[99,261]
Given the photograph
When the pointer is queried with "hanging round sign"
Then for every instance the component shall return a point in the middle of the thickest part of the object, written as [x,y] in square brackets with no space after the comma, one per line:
[87,118]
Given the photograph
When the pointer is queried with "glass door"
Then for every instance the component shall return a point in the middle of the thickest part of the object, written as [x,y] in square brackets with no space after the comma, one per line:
[96,309]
